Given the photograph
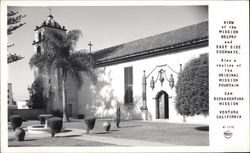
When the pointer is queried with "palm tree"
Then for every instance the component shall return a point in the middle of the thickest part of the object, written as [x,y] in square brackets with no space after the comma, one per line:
[59,52]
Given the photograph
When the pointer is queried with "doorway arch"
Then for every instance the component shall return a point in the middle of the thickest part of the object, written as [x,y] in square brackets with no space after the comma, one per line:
[161,105]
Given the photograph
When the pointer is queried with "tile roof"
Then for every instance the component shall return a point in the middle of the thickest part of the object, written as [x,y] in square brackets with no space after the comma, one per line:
[139,47]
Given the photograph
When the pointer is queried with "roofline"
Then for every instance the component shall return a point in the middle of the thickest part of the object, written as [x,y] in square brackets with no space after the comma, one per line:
[197,43]
[39,27]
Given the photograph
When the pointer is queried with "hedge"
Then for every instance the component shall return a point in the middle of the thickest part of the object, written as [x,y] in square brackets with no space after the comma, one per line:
[90,122]
[16,121]
[55,124]
[192,88]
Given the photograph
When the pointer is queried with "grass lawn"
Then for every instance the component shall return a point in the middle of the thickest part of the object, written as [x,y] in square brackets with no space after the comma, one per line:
[169,133]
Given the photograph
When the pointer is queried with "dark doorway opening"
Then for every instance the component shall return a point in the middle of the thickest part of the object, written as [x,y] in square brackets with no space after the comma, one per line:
[70,108]
[162,108]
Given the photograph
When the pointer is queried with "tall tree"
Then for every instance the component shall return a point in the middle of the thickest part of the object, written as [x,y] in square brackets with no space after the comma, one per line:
[192,88]
[14,22]
[37,98]
[59,52]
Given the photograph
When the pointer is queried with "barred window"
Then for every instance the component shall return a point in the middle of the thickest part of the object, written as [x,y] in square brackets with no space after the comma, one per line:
[128,85]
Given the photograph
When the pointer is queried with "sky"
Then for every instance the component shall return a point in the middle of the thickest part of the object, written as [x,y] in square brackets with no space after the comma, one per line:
[104,26]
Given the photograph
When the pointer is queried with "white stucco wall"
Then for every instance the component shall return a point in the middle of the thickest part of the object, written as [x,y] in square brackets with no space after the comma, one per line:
[100,99]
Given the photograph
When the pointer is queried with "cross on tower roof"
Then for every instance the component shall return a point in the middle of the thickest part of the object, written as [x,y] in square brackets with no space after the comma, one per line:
[50,9]
[90,45]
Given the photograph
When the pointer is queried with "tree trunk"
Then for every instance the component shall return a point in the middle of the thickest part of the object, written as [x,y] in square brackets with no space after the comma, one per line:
[184,118]
[64,100]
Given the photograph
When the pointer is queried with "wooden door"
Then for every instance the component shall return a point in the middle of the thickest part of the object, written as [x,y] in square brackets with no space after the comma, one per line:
[70,107]
[162,107]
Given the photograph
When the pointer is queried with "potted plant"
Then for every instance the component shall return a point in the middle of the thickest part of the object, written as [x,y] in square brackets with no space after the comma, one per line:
[20,134]
[106,125]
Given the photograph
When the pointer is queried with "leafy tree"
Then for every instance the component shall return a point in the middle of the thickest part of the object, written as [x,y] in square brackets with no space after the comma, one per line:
[37,98]
[192,88]
[14,22]
[60,53]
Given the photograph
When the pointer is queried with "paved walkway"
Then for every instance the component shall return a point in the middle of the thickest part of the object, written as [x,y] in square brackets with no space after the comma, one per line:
[131,133]
[111,140]
[81,135]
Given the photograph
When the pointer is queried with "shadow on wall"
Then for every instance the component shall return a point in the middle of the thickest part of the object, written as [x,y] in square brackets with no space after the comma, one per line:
[150,116]
[131,111]
[99,99]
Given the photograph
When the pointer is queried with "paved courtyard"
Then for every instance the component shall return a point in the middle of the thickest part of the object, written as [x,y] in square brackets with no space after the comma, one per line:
[130,133]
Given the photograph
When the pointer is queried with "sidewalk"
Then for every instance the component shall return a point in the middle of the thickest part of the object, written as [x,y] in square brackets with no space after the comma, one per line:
[110,140]
[130,133]
[81,135]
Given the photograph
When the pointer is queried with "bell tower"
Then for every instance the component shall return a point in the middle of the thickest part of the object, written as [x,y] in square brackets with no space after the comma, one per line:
[46,26]
[51,79]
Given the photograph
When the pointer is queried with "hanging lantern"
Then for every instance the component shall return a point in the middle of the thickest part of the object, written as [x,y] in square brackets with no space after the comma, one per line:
[171,81]
[161,76]
[152,83]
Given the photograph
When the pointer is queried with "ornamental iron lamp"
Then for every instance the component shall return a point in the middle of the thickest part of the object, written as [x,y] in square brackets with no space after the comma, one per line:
[171,81]
[152,83]
[161,79]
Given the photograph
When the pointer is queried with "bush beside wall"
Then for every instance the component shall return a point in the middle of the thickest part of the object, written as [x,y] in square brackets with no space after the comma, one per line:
[192,88]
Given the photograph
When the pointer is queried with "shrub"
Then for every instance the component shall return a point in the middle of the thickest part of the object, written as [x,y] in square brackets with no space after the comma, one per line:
[90,122]
[16,121]
[80,116]
[57,113]
[192,88]
[20,134]
[55,124]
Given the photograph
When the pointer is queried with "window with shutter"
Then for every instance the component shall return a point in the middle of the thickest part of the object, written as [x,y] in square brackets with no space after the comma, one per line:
[128,84]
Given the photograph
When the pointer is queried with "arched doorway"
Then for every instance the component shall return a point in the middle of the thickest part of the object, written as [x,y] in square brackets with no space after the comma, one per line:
[161,103]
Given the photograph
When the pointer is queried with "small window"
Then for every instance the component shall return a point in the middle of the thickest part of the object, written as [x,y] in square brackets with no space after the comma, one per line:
[38,49]
[39,36]
[128,85]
